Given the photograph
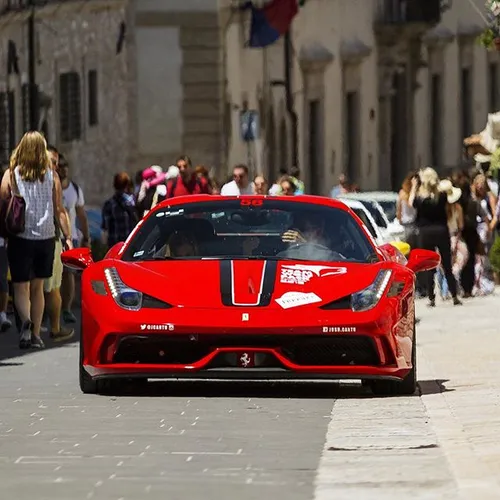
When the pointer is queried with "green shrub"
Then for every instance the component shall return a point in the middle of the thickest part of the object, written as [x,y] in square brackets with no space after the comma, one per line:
[495,255]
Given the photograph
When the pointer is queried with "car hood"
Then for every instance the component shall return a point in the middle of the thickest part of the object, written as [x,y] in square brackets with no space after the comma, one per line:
[250,283]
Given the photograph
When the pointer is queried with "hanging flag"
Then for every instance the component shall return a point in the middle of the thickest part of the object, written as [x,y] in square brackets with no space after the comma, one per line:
[270,22]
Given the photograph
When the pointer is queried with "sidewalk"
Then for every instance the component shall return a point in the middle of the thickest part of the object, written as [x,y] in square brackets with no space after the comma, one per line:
[459,355]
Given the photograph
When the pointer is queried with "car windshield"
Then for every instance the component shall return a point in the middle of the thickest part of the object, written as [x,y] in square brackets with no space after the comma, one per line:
[389,207]
[251,228]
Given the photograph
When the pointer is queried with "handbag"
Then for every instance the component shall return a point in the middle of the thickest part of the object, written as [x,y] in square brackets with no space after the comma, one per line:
[12,211]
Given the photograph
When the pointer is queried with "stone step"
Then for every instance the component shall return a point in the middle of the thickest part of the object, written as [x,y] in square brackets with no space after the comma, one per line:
[207,91]
[208,141]
[201,125]
[201,38]
[212,108]
[203,56]
[201,73]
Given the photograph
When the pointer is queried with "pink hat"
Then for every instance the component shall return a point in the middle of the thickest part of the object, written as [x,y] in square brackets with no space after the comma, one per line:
[148,173]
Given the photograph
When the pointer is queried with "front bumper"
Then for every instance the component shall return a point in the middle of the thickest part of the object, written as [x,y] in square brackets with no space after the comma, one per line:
[248,356]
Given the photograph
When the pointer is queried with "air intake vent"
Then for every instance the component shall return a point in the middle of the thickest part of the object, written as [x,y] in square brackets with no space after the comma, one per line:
[339,304]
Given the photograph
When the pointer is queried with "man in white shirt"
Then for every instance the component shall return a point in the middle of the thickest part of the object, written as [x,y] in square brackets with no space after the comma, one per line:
[240,184]
[74,203]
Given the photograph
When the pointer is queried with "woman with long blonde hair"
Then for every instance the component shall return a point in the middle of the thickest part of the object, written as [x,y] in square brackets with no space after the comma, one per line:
[31,253]
[432,222]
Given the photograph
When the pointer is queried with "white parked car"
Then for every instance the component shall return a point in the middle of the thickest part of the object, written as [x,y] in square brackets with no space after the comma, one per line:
[394,230]
[363,213]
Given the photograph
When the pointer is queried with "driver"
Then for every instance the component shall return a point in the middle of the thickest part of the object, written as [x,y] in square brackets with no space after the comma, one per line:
[181,244]
[306,230]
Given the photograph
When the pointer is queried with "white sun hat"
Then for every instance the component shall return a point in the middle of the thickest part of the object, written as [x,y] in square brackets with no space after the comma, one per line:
[490,136]
[453,193]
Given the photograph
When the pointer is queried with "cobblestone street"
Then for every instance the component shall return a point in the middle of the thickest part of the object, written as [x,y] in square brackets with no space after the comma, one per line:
[260,441]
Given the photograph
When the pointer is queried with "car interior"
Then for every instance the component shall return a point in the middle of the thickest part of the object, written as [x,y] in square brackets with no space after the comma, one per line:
[245,233]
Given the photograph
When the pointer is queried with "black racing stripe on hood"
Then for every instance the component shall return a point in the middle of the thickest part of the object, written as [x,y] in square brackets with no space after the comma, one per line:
[226,283]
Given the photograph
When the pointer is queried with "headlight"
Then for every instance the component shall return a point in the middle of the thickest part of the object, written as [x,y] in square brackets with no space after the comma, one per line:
[369,297]
[124,296]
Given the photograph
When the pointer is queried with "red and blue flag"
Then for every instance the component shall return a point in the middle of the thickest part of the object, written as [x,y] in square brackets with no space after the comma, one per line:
[270,22]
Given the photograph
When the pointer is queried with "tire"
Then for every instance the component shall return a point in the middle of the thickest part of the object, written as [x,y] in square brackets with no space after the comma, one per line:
[87,384]
[405,387]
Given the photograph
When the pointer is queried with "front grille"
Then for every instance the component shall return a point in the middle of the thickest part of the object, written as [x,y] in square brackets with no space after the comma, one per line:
[305,350]
[333,351]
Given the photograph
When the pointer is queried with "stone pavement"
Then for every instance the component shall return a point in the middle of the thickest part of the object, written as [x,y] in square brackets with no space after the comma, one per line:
[260,441]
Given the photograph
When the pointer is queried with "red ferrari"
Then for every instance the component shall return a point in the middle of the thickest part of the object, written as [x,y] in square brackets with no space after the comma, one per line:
[250,287]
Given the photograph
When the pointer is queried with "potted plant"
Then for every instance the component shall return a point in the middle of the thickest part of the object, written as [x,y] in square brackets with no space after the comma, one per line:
[490,37]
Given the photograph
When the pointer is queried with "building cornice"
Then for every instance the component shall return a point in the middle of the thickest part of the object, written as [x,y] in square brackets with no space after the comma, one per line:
[438,37]
[314,57]
[354,51]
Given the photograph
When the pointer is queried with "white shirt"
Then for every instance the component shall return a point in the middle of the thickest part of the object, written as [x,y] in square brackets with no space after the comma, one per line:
[39,216]
[71,200]
[232,189]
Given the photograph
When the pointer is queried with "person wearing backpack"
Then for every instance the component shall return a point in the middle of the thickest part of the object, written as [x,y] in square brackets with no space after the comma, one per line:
[187,182]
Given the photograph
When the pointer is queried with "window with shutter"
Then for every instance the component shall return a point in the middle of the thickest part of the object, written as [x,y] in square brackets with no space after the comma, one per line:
[70,119]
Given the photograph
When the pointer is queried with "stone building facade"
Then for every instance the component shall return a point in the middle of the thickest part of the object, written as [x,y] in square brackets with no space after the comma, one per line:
[376,91]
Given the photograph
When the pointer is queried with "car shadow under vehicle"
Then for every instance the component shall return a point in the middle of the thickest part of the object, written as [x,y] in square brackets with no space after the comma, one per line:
[320,389]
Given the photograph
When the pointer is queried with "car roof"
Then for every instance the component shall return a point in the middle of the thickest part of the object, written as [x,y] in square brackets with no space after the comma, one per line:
[373,196]
[303,198]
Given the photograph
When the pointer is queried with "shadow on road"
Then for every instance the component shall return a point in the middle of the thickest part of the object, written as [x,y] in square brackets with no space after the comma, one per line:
[9,345]
[428,387]
[249,389]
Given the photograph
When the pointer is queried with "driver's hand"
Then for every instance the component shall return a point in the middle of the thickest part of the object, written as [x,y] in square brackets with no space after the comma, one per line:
[292,236]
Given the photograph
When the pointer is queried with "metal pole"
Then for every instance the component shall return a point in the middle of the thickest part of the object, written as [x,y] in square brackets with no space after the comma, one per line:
[33,91]
[289,98]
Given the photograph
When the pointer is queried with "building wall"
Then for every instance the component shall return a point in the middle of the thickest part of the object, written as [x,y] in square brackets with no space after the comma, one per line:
[77,37]
[345,28]
[458,49]
[321,26]
[179,108]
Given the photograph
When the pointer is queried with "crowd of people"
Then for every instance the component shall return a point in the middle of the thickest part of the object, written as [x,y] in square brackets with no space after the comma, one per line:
[457,215]
[132,200]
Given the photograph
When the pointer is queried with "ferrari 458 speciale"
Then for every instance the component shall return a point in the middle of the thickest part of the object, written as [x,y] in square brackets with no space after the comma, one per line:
[249,287]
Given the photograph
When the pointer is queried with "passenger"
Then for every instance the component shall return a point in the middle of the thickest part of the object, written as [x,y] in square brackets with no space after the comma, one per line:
[181,244]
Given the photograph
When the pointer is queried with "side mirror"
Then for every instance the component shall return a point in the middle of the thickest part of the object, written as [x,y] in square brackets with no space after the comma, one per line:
[115,250]
[397,251]
[423,260]
[77,259]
